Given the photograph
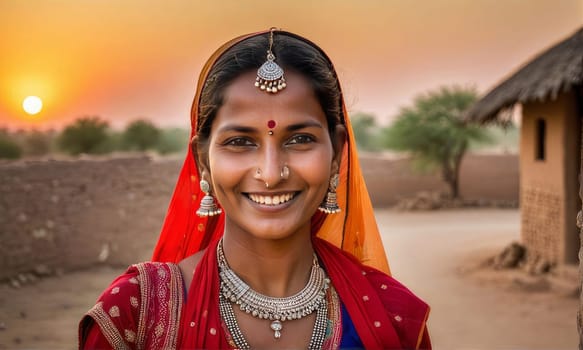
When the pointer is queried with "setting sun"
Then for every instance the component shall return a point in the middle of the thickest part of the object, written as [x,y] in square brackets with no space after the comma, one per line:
[32,105]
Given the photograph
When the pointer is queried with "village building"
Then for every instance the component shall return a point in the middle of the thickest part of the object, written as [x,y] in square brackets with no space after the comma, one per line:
[549,89]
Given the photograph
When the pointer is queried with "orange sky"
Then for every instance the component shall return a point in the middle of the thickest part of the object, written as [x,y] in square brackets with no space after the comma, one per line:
[137,58]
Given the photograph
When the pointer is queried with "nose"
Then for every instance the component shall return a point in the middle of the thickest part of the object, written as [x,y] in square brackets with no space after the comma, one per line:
[270,165]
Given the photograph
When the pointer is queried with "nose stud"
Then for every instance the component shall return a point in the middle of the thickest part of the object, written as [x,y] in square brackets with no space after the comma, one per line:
[284,172]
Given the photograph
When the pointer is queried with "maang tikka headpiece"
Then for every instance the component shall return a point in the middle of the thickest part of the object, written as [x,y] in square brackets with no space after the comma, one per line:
[270,74]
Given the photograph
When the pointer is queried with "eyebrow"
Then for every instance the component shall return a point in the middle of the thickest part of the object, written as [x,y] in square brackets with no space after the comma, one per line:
[237,128]
[299,126]
[249,130]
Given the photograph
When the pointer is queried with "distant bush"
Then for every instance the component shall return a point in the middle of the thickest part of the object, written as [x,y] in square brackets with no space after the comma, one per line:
[140,135]
[173,141]
[365,131]
[38,143]
[9,149]
[85,135]
[114,142]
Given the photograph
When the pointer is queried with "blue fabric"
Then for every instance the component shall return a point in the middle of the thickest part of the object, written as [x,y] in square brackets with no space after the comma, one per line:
[350,339]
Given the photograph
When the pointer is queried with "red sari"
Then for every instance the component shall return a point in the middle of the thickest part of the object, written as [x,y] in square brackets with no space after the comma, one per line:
[145,307]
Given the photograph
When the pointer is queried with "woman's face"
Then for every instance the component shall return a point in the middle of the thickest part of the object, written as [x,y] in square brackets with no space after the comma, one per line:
[241,143]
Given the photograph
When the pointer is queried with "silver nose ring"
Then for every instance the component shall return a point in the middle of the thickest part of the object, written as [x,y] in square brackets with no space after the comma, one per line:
[257,176]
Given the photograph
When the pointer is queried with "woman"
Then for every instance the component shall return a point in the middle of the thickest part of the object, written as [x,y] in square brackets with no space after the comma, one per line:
[279,262]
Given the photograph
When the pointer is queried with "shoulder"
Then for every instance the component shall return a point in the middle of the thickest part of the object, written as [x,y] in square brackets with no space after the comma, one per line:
[122,306]
[121,299]
[187,267]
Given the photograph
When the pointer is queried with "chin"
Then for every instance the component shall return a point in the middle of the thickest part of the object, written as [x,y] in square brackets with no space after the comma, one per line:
[277,231]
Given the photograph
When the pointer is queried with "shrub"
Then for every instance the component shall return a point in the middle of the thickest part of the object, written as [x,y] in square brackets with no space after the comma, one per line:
[9,149]
[140,135]
[38,143]
[365,131]
[173,141]
[85,135]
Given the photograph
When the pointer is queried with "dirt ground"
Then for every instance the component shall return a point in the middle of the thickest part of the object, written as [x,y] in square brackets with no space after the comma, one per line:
[430,252]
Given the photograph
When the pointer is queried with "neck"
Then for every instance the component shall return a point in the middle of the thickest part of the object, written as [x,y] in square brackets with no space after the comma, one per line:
[276,268]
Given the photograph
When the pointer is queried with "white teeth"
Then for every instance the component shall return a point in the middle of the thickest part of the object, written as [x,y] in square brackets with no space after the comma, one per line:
[271,200]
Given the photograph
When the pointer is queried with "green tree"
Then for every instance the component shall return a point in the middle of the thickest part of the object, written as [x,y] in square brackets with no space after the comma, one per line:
[433,131]
[85,135]
[364,126]
[141,135]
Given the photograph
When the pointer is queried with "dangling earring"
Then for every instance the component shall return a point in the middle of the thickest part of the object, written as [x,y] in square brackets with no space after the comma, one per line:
[330,204]
[208,207]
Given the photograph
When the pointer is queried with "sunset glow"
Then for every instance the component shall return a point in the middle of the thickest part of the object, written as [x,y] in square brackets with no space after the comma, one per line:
[126,59]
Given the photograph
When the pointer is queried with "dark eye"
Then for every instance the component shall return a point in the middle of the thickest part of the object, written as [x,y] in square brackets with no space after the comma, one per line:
[301,139]
[238,142]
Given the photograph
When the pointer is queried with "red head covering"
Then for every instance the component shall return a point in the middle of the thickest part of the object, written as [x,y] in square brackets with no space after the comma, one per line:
[354,230]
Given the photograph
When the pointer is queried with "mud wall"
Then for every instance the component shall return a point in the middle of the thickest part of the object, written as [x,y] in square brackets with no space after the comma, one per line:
[57,216]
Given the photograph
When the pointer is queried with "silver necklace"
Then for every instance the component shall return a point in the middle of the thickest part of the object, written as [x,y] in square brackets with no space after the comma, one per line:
[310,298]
[228,315]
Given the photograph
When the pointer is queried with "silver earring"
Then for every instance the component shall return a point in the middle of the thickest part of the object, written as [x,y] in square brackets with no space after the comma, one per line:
[284,172]
[330,204]
[208,206]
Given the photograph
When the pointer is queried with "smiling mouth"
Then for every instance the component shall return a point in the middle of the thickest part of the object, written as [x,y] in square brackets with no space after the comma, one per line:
[271,200]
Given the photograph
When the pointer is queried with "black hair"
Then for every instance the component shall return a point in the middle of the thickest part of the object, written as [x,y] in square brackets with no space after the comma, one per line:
[292,53]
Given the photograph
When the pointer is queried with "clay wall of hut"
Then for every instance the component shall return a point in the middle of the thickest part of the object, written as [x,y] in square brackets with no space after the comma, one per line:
[548,177]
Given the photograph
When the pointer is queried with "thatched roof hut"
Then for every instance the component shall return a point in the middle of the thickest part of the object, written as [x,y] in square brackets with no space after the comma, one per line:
[558,69]
[550,90]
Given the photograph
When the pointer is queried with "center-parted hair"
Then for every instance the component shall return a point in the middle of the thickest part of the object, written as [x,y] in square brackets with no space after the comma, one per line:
[292,54]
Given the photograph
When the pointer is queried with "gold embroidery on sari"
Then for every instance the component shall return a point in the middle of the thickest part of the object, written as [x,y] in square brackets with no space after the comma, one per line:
[162,289]
[175,305]
[130,335]
[144,292]
[334,327]
[159,330]
[114,311]
[108,328]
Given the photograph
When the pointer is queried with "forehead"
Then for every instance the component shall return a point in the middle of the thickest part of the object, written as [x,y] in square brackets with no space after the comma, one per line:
[245,103]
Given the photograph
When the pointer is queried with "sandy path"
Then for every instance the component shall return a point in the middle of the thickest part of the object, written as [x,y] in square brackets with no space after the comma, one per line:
[425,251]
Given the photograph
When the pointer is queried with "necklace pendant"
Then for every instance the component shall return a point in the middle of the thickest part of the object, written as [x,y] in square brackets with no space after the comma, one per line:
[276,326]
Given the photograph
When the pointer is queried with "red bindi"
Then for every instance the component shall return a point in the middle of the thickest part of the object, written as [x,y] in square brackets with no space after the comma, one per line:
[271,124]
